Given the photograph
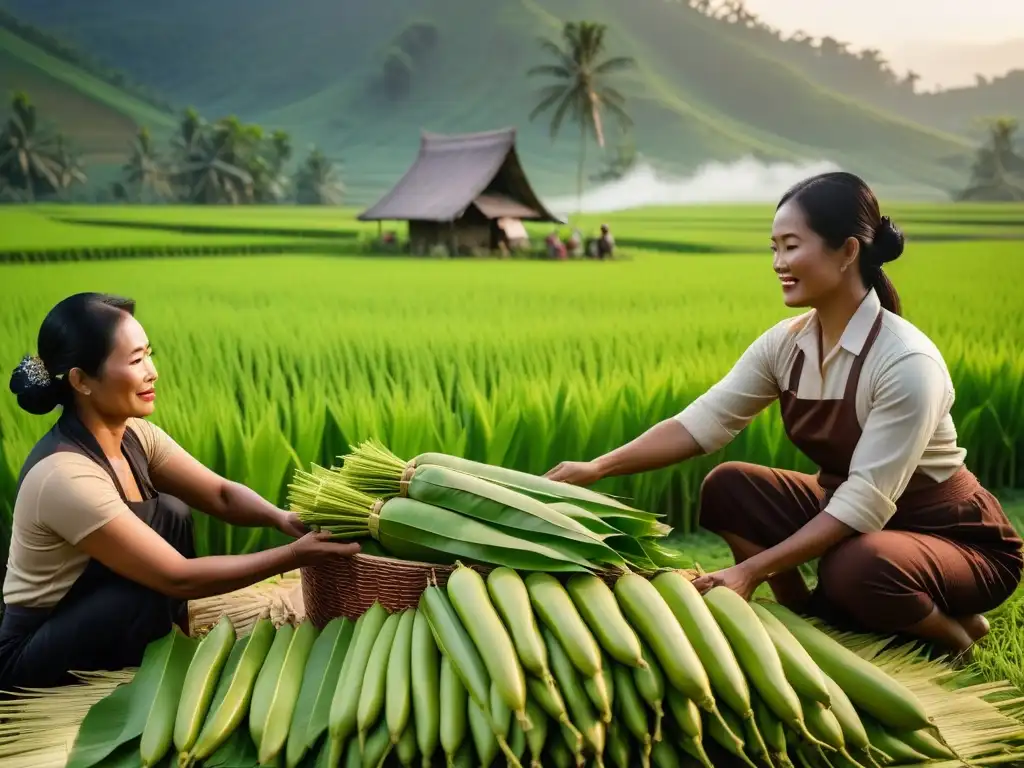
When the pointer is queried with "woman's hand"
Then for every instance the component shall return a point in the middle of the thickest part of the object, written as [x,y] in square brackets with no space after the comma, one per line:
[315,548]
[575,473]
[288,523]
[739,578]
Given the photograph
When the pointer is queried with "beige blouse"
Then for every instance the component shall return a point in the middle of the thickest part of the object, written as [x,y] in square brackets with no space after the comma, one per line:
[63,499]
[903,401]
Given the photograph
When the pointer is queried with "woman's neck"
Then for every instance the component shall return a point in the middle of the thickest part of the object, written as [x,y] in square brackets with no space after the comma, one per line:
[107,433]
[835,314]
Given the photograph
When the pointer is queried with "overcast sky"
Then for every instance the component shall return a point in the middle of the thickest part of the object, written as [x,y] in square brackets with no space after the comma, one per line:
[907,31]
[896,21]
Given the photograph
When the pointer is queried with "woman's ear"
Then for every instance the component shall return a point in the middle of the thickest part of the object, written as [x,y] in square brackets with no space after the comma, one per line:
[77,380]
[849,253]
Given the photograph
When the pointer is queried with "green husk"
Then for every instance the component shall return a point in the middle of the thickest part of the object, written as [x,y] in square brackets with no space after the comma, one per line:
[412,529]
[323,668]
[498,505]
[439,529]
[374,469]
[121,716]
[481,732]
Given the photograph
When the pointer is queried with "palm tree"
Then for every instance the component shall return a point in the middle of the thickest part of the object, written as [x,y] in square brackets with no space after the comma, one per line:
[269,181]
[214,161]
[998,172]
[145,172]
[581,92]
[317,181]
[29,159]
[68,166]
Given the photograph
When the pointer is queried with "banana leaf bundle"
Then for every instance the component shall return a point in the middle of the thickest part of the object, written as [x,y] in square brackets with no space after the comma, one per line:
[636,536]
[440,515]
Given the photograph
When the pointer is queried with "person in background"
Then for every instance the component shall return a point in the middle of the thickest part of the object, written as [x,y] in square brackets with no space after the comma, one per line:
[102,559]
[908,539]
[574,245]
[605,243]
[555,246]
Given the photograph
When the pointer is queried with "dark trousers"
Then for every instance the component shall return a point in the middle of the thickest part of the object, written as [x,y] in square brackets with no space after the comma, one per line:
[952,548]
[104,622]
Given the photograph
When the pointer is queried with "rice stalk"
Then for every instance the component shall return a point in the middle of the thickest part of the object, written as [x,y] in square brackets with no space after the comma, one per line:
[323,499]
[373,469]
[38,726]
[278,598]
[976,719]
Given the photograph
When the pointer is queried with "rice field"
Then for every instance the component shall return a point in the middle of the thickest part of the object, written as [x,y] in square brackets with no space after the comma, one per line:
[268,363]
[273,362]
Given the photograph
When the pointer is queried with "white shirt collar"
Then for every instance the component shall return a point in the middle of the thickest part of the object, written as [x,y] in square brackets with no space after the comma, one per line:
[855,335]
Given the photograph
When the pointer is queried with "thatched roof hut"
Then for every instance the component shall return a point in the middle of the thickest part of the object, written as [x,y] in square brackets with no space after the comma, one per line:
[465,191]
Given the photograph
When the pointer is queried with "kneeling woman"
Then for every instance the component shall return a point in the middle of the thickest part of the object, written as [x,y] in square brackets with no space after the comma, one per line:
[102,559]
[909,541]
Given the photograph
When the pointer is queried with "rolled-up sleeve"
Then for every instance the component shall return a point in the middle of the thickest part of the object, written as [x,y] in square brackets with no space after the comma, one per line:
[911,397]
[716,417]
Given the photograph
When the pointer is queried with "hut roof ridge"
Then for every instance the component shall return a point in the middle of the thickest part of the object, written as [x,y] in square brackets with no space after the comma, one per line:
[450,172]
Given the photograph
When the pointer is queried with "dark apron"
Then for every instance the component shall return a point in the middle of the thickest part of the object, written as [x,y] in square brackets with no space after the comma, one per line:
[958,509]
[104,621]
[948,544]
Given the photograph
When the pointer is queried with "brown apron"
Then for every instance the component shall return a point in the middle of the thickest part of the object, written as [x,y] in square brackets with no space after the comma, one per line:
[948,544]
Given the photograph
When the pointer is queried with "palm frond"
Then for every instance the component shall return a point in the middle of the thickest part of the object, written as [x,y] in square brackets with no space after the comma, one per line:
[548,97]
[569,102]
[617,64]
[611,95]
[551,47]
[624,119]
[552,70]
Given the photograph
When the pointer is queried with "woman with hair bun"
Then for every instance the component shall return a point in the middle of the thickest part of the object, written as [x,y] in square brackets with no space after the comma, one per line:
[102,560]
[908,540]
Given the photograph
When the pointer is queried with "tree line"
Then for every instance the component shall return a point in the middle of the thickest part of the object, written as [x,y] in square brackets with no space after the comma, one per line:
[223,162]
[232,162]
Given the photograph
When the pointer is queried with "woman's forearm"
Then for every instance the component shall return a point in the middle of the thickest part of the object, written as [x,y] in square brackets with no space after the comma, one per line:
[813,540]
[217,574]
[244,507]
[664,444]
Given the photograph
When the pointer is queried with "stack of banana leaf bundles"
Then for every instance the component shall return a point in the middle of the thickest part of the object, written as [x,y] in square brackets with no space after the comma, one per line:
[565,634]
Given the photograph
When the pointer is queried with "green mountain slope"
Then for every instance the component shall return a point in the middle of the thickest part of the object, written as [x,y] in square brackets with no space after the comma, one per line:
[100,118]
[319,69]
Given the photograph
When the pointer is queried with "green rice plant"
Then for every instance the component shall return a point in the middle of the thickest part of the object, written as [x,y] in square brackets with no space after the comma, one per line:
[271,363]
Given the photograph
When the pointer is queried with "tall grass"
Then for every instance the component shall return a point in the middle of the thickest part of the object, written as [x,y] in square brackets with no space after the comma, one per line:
[273,363]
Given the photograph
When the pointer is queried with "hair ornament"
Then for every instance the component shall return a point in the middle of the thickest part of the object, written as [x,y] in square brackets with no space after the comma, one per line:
[34,371]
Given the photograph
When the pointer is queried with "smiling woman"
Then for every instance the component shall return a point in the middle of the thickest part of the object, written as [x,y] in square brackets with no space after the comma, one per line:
[908,539]
[102,560]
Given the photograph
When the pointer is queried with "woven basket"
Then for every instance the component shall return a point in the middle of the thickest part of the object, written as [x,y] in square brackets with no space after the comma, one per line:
[348,587]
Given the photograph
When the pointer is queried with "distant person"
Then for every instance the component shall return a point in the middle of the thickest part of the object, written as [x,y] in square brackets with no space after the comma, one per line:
[574,245]
[909,540]
[555,246]
[102,560]
[605,243]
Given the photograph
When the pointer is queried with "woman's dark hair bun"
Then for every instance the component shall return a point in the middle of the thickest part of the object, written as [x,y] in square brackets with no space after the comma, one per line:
[888,242]
[37,392]
[77,333]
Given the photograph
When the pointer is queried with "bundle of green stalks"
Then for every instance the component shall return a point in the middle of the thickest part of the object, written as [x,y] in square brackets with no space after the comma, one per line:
[636,536]
[443,514]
